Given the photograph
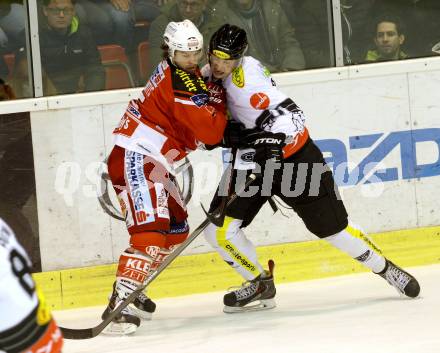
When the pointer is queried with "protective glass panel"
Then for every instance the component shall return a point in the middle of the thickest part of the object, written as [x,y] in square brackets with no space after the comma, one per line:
[278,32]
[375,31]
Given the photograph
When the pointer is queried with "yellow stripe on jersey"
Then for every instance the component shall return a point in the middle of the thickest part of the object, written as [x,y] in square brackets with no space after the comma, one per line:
[358,234]
[230,248]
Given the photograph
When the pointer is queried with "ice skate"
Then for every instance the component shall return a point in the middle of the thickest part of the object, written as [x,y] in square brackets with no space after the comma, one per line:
[123,324]
[254,295]
[404,283]
[143,307]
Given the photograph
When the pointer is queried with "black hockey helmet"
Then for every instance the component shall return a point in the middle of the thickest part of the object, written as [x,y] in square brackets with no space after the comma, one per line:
[228,42]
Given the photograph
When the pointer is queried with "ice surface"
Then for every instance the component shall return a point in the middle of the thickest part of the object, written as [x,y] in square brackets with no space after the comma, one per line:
[357,313]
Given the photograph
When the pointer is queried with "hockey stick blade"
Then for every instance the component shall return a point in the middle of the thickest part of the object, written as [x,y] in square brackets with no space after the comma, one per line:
[86,333]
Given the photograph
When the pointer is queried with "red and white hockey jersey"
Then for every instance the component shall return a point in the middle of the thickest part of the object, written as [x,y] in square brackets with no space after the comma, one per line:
[171,117]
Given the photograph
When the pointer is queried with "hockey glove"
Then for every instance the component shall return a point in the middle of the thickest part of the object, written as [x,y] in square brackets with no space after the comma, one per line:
[234,134]
[217,96]
[267,145]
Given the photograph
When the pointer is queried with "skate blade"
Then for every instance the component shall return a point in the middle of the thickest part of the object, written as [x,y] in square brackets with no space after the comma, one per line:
[265,304]
[119,329]
[141,314]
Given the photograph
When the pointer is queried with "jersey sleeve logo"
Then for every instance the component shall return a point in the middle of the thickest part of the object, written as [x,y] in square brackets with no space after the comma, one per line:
[200,99]
[266,71]
[260,101]
[238,77]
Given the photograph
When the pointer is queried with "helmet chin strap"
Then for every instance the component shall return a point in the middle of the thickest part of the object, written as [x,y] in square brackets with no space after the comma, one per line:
[171,55]
[239,62]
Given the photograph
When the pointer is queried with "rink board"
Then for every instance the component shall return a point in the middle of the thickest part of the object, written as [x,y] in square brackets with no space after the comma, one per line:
[382,119]
[202,273]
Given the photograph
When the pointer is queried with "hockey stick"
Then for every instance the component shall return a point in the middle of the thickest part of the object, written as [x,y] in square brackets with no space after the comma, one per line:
[218,216]
[71,333]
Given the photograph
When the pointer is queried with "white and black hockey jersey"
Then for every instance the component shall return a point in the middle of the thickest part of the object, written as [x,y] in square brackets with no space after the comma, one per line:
[26,324]
[17,288]
[254,100]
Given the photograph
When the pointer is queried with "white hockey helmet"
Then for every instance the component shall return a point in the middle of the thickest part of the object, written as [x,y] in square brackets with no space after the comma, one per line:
[183,36]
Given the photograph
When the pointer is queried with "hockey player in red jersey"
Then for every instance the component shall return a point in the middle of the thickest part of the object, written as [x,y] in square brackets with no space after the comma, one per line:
[174,114]
[274,129]
[26,324]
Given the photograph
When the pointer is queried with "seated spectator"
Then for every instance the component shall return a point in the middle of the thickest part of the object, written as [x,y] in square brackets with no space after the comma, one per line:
[290,8]
[388,40]
[20,80]
[271,37]
[68,53]
[356,15]
[422,23]
[12,23]
[313,32]
[112,21]
[197,11]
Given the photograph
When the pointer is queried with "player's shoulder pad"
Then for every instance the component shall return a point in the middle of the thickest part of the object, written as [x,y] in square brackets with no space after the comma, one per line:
[250,72]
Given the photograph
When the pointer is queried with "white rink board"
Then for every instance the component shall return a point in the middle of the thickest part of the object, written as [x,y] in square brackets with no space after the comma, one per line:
[77,232]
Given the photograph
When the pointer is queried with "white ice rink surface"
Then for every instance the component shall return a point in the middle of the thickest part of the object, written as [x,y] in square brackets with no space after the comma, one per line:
[357,313]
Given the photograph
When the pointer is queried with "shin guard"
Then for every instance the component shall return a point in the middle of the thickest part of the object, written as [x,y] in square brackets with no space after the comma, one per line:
[356,244]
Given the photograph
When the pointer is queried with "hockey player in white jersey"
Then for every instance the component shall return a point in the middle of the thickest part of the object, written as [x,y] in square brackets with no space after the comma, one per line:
[26,324]
[275,129]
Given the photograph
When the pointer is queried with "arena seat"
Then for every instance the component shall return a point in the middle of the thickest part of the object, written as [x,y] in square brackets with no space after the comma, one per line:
[117,69]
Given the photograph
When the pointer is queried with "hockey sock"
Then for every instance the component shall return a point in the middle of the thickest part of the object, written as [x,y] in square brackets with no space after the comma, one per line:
[235,249]
[356,244]
[134,267]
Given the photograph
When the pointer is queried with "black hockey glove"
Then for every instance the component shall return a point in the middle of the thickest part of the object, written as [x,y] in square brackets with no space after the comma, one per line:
[234,134]
[267,145]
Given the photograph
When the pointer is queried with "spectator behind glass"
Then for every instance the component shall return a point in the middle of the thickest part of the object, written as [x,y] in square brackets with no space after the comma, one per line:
[356,15]
[271,37]
[68,53]
[20,77]
[197,11]
[12,22]
[422,20]
[388,39]
[312,30]
[290,8]
[113,21]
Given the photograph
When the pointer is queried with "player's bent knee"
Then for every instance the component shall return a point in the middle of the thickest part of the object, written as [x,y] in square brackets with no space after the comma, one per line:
[141,241]
[179,231]
[175,239]
[327,215]
[216,236]
[229,230]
